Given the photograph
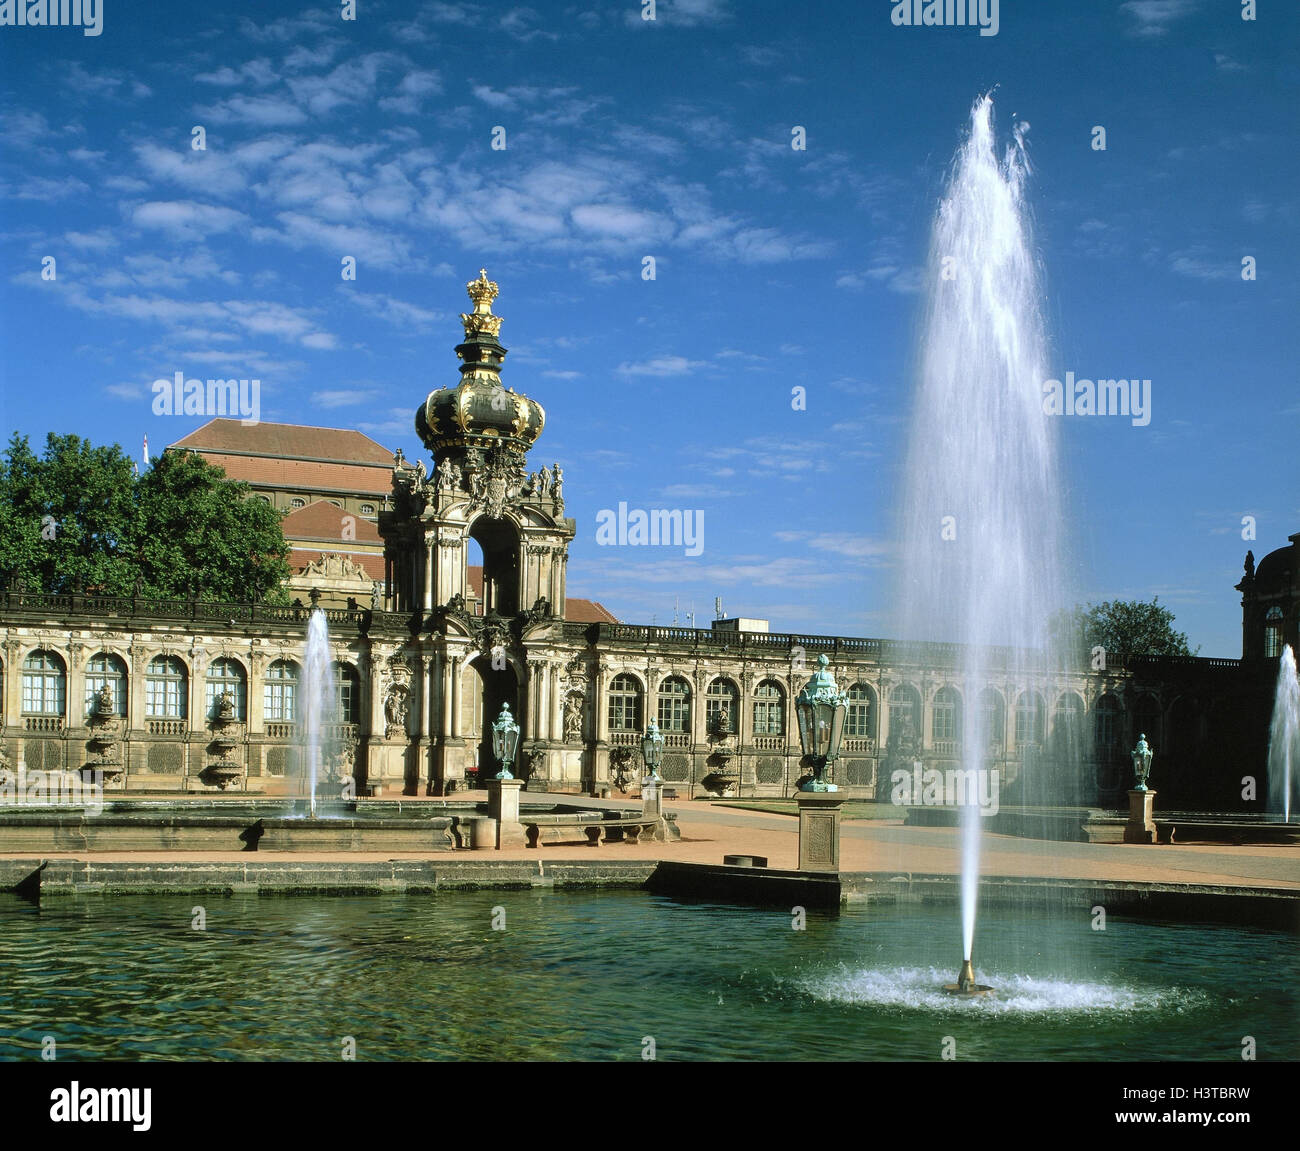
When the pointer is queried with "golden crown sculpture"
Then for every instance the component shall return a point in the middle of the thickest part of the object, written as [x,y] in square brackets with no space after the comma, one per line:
[481,321]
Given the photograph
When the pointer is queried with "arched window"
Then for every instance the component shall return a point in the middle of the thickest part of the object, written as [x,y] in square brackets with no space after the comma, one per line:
[674,705]
[1107,730]
[1146,721]
[44,684]
[904,713]
[1067,724]
[1030,719]
[225,675]
[769,709]
[367,509]
[722,695]
[993,717]
[1273,633]
[105,670]
[945,722]
[164,688]
[297,503]
[624,704]
[347,693]
[280,692]
[860,720]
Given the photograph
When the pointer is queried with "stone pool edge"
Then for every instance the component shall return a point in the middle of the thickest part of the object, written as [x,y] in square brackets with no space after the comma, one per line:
[37,878]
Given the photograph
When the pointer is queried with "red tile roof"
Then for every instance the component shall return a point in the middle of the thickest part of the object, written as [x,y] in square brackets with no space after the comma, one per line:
[321,521]
[305,475]
[295,441]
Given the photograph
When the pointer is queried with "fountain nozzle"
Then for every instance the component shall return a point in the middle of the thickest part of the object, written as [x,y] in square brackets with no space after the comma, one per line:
[966,977]
[966,984]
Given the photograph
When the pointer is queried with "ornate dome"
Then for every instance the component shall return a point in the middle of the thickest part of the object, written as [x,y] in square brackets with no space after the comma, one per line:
[479,412]
[1275,568]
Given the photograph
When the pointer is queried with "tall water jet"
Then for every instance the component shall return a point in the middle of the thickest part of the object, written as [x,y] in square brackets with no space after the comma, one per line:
[319,704]
[981,520]
[1284,736]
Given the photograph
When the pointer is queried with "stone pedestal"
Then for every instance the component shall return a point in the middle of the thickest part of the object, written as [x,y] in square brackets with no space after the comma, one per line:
[819,830]
[652,798]
[503,806]
[652,805]
[1140,828]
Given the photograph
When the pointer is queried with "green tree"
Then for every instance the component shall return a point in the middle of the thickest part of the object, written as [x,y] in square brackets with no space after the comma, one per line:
[71,515]
[197,530]
[79,518]
[1122,628]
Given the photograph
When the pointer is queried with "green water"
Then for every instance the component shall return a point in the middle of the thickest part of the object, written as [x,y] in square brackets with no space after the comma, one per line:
[597,975]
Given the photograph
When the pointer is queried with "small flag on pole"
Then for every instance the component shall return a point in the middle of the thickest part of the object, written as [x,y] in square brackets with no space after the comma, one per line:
[145,451]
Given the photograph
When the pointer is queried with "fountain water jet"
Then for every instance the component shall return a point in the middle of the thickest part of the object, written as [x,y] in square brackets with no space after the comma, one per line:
[981,533]
[1284,735]
[319,704]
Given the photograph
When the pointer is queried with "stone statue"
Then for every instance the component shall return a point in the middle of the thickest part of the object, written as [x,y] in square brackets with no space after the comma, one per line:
[104,700]
[558,489]
[376,596]
[225,706]
[722,725]
[395,707]
[398,458]
[573,718]
[543,481]
[443,473]
[1250,565]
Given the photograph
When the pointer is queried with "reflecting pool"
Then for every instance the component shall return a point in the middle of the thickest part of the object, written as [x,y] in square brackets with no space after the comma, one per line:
[594,975]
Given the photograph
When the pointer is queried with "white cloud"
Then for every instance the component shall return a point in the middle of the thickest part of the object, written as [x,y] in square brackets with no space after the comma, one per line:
[1153,17]
[661,366]
[342,397]
[186,219]
[260,111]
[368,245]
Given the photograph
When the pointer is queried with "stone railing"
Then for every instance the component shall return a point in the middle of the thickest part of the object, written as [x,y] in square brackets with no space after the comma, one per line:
[680,739]
[126,607]
[768,742]
[947,747]
[43,723]
[625,738]
[857,746]
[805,648]
[165,726]
[288,731]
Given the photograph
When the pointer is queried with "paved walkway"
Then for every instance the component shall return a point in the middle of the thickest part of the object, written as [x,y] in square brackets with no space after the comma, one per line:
[709,832]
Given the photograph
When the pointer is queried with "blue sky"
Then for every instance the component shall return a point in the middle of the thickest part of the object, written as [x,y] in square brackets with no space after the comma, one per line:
[775,267]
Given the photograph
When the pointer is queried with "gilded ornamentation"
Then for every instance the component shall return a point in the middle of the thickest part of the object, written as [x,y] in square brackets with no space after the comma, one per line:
[482,322]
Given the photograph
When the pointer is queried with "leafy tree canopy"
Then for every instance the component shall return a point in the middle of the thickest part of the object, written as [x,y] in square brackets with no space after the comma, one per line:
[1123,628]
[78,518]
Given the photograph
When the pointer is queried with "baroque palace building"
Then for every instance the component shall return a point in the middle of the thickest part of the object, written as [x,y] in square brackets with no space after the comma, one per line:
[194,695]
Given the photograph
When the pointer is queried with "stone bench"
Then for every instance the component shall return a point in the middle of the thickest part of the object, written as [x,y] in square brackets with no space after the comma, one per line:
[562,828]
[596,829]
